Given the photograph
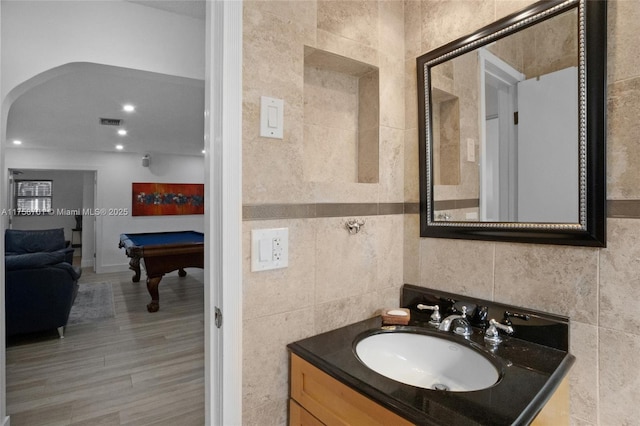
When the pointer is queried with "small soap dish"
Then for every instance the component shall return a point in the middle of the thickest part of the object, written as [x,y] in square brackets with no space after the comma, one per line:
[396,316]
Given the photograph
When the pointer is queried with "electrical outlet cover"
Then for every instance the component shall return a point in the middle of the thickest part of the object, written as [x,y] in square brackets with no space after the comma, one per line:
[278,256]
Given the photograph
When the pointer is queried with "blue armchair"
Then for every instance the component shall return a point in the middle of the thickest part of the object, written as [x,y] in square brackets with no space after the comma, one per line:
[40,282]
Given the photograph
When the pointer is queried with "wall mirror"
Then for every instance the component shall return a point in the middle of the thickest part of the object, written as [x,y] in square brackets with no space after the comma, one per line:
[512,129]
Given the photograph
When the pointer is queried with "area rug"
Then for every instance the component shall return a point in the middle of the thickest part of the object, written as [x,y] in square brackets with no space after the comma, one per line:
[93,303]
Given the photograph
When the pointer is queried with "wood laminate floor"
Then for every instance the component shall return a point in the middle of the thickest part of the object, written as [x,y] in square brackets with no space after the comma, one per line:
[134,369]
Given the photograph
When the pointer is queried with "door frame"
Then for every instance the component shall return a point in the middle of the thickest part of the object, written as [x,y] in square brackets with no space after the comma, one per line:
[223,217]
[490,64]
[223,214]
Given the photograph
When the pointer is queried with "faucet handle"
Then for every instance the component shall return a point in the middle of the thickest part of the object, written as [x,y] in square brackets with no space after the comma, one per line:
[506,320]
[435,316]
[492,335]
[480,318]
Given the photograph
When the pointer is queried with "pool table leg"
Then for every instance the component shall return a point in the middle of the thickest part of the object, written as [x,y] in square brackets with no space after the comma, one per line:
[134,265]
[152,287]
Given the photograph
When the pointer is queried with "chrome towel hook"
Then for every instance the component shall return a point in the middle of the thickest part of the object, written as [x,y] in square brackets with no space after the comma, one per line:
[354,225]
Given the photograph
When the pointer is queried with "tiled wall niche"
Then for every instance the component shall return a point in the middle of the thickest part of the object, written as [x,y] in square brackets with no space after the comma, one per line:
[446,138]
[341,119]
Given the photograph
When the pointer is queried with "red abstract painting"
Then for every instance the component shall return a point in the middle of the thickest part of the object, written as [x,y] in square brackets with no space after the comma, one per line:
[158,199]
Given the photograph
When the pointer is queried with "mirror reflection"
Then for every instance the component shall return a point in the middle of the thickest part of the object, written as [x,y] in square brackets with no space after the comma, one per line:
[505,128]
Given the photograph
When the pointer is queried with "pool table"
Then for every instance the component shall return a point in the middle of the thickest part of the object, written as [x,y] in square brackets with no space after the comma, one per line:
[160,253]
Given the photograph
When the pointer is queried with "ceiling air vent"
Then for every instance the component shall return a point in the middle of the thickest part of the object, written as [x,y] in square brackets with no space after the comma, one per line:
[110,121]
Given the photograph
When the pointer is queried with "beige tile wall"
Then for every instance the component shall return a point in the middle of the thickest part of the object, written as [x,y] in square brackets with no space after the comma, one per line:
[330,126]
[341,119]
[463,84]
[549,46]
[369,127]
[598,288]
[333,278]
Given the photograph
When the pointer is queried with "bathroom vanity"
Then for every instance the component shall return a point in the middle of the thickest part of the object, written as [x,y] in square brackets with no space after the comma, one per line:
[330,383]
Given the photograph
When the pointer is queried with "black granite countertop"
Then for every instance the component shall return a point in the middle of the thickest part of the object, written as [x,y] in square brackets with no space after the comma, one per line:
[530,373]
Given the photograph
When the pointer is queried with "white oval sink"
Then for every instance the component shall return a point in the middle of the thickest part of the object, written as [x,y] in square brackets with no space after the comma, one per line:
[427,361]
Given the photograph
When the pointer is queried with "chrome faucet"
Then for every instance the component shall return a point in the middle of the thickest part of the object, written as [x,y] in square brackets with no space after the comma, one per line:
[435,316]
[459,323]
[492,335]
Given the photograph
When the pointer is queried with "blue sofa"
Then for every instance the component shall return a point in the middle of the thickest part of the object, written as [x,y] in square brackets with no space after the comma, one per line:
[40,282]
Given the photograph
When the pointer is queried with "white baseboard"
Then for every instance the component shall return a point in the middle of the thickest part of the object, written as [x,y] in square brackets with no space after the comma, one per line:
[7,421]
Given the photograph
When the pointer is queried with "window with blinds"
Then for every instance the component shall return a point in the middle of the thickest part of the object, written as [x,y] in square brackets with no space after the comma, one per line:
[33,196]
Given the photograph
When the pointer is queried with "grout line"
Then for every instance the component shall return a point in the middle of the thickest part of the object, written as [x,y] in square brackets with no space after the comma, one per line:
[618,209]
[315,276]
[255,212]
[493,288]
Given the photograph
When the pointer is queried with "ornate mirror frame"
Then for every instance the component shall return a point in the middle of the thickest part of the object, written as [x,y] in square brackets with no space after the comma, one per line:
[591,228]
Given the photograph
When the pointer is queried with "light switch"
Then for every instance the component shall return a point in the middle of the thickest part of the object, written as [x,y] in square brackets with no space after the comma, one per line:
[471,150]
[271,117]
[266,250]
[269,249]
[272,121]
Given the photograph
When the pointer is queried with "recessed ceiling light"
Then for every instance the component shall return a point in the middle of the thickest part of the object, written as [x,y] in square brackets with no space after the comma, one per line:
[122,132]
[17,142]
[204,152]
[119,147]
[128,108]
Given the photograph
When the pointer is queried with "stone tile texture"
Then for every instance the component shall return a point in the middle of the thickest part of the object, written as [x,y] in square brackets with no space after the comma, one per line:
[336,278]
[597,288]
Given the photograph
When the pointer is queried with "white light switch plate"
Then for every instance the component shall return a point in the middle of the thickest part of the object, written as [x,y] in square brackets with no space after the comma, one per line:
[269,249]
[271,117]
[471,150]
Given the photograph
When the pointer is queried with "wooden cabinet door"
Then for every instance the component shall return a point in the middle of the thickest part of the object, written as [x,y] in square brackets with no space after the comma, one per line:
[298,416]
[321,399]
[556,411]
[334,403]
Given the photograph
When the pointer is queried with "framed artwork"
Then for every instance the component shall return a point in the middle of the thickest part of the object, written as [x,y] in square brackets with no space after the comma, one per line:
[159,199]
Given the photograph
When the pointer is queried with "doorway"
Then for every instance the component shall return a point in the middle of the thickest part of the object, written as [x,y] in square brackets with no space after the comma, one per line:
[223,68]
[498,138]
[518,182]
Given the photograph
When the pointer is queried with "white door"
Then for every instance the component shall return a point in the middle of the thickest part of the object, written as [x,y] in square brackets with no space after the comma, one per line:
[547,138]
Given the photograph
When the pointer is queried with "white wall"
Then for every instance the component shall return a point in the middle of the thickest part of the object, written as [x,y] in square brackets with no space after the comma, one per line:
[40,35]
[115,174]
[88,224]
